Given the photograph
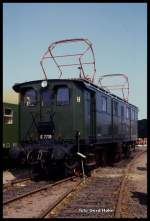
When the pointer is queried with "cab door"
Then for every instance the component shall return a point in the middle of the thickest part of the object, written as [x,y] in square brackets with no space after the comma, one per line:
[93,115]
[90,115]
[46,124]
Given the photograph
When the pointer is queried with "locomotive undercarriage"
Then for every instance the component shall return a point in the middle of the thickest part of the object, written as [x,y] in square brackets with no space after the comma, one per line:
[53,158]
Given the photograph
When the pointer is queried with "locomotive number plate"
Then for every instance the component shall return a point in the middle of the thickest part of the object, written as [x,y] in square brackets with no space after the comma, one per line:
[45,136]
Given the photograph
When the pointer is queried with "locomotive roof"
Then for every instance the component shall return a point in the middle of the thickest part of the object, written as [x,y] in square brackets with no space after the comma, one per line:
[84,82]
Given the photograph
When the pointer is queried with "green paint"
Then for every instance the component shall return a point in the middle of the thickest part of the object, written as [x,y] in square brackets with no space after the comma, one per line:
[10,131]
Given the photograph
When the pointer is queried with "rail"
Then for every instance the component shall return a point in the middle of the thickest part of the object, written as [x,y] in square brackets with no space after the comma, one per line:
[51,207]
[37,190]
[16,181]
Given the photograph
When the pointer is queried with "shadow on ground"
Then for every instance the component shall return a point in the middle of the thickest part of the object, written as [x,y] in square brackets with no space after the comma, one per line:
[142,168]
[142,197]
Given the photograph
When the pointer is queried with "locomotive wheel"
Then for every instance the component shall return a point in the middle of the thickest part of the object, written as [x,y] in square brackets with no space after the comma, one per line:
[127,151]
[77,171]
[117,152]
[72,166]
[133,147]
[31,157]
[103,158]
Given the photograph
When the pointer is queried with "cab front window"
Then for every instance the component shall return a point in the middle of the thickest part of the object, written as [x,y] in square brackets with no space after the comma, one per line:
[30,98]
[62,96]
[45,97]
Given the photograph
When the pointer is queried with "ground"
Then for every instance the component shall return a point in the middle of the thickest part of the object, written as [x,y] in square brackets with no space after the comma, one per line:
[135,195]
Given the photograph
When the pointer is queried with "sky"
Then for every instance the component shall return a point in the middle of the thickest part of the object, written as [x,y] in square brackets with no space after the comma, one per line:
[118,32]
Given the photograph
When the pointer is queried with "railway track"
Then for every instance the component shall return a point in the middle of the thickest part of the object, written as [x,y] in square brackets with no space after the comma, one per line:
[33,191]
[100,198]
[60,199]
[20,187]
[14,207]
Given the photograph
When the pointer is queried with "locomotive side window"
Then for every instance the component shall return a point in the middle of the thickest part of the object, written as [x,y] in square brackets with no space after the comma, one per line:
[30,97]
[122,112]
[62,96]
[104,104]
[115,108]
[8,116]
[133,115]
[128,111]
[45,97]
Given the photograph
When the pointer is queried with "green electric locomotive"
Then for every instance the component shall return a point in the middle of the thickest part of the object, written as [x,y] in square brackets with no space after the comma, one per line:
[64,120]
